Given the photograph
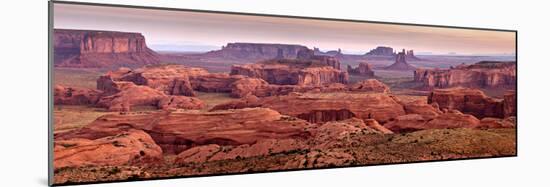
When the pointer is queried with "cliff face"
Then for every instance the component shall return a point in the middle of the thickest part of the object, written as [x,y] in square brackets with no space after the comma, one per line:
[315,71]
[257,51]
[97,49]
[381,51]
[482,74]
[470,101]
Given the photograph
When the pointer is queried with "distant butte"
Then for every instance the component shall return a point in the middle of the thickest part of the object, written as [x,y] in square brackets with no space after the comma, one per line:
[100,49]
[401,63]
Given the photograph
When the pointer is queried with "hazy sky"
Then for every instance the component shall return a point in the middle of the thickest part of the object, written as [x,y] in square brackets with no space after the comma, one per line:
[163,29]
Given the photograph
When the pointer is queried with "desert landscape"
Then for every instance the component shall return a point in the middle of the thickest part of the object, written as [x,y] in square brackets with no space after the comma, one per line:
[123,111]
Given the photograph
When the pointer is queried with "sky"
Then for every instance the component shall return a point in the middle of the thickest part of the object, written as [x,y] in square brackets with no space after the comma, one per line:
[197,31]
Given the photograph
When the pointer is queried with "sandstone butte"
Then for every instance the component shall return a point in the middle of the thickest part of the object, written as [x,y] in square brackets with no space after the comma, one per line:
[363,69]
[473,101]
[306,69]
[101,49]
[485,74]
[400,63]
[257,51]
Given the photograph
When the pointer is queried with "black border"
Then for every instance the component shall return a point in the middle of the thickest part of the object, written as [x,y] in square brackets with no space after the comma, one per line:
[50,86]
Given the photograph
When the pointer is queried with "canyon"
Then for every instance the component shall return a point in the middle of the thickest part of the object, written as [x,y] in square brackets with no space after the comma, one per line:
[276,107]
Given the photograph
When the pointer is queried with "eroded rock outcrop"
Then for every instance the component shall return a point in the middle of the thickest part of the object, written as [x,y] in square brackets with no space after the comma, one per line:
[257,51]
[100,49]
[136,95]
[178,131]
[400,63]
[489,122]
[124,148]
[75,96]
[170,79]
[414,122]
[291,72]
[370,85]
[328,107]
[485,74]
[509,104]
[364,69]
[467,100]
[214,82]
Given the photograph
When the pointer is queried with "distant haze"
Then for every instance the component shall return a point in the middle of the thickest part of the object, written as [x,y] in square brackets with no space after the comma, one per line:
[194,31]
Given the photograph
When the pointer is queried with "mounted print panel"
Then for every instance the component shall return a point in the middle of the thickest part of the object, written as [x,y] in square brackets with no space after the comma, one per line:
[144,93]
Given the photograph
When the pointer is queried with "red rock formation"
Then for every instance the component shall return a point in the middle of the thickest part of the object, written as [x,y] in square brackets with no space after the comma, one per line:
[333,131]
[214,82]
[427,111]
[291,72]
[174,102]
[328,107]
[257,51]
[98,49]
[453,119]
[372,123]
[170,79]
[467,100]
[486,123]
[328,61]
[370,85]
[75,96]
[146,96]
[178,131]
[261,148]
[509,104]
[401,63]
[260,88]
[364,69]
[414,122]
[133,147]
[381,51]
[485,74]
[250,86]
[407,123]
